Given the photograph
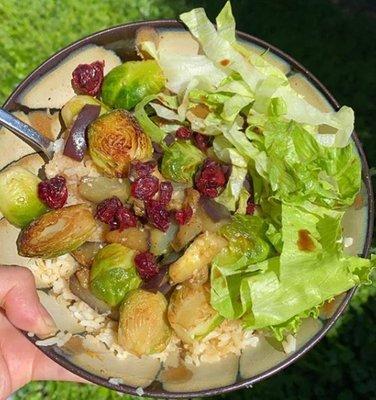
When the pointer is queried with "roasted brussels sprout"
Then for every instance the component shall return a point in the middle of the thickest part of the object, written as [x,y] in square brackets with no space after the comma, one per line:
[19,201]
[116,139]
[101,188]
[190,314]
[197,256]
[113,274]
[127,84]
[57,232]
[143,326]
[71,109]
[180,161]
[247,237]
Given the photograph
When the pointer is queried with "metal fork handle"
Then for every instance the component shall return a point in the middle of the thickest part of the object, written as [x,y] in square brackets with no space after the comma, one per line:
[26,132]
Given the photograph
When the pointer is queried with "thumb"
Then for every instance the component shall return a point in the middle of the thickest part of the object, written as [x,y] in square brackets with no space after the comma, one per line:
[19,300]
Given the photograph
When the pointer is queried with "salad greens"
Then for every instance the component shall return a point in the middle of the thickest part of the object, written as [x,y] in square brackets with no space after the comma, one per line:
[283,264]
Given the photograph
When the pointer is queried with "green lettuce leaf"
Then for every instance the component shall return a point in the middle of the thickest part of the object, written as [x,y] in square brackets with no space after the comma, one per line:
[279,291]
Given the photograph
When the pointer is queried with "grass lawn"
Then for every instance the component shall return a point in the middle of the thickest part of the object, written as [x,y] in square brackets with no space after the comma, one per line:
[337,43]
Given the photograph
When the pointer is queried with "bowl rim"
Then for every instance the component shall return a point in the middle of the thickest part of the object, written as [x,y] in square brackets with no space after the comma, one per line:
[51,352]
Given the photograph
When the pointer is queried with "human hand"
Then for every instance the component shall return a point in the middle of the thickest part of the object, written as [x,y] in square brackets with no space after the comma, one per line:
[20,360]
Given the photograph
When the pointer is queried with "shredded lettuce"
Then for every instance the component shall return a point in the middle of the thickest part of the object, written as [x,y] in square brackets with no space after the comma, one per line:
[264,80]
[305,173]
[155,133]
[286,287]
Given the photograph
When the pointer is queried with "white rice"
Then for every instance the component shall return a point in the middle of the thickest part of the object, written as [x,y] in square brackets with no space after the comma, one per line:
[140,392]
[228,338]
[59,340]
[116,381]
[47,272]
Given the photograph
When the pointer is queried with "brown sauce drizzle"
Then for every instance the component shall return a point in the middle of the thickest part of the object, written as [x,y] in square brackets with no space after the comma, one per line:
[358,203]
[225,62]
[305,242]
[177,374]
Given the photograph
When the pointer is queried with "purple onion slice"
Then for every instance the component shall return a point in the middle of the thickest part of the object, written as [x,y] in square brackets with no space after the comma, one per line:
[217,212]
[76,144]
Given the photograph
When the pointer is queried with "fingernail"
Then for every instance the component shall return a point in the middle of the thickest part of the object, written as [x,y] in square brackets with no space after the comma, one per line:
[49,326]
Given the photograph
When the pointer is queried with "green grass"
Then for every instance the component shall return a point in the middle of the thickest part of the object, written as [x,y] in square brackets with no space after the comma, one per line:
[337,45]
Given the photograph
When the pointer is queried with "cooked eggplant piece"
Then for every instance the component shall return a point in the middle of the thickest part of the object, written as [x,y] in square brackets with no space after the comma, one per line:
[113,274]
[19,201]
[101,188]
[57,232]
[85,254]
[71,109]
[143,326]
[190,314]
[197,256]
[134,238]
[116,139]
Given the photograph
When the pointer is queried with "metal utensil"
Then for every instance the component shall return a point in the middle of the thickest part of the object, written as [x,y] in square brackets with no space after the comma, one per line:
[26,132]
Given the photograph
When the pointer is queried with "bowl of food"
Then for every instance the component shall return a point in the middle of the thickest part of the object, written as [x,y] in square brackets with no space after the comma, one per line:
[207,213]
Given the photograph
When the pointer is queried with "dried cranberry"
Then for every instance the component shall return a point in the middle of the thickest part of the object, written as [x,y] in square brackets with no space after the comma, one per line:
[158,215]
[146,265]
[251,206]
[88,78]
[184,133]
[139,169]
[184,215]
[53,192]
[145,188]
[201,141]
[124,218]
[112,212]
[165,192]
[211,179]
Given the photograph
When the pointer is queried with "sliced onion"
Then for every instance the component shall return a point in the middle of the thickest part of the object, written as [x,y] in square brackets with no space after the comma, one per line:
[76,145]
[85,254]
[217,212]
[170,258]
[85,295]
[169,139]
[160,282]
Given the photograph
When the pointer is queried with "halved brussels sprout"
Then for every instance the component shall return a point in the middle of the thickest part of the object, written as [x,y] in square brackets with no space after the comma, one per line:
[197,256]
[71,109]
[246,236]
[116,139]
[190,314]
[19,201]
[180,161]
[57,232]
[127,84]
[101,188]
[113,274]
[143,326]
[134,238]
